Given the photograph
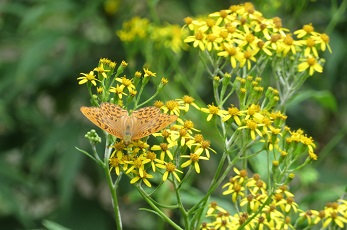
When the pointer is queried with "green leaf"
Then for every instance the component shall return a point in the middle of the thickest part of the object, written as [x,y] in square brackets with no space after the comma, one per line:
[325,98]
[86,153]
[308,175]
[152,211]
[50,225]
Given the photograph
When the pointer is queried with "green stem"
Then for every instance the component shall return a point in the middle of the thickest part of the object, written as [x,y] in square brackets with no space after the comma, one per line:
[337,16]
[148,100]
[180,203]
[160,213]
[200,206]
[214,184]
[112,187]
[268,169]
[151,7]
[186,176]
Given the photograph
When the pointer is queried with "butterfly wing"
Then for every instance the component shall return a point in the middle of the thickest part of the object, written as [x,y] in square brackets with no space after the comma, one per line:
[149,120]
[108,117]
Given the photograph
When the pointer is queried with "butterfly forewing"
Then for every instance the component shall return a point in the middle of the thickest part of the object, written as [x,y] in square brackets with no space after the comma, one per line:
[113,111]
[108,117]
[94,115]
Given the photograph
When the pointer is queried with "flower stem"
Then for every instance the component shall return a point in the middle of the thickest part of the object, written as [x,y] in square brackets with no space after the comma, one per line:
[112,187]
[159,212]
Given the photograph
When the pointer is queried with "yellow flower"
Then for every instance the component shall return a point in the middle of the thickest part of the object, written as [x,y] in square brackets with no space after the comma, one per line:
[192,24]
[100,69]
[283,189]
[214,207]
[213,110]
[169,37]
[170,168]
[135,28]
[149,73]
[124,64]
[252,201]
[256,185]
[99,90]
[333,216]
[310,48]
[212,41]
[138,74]
[248,56]
[263,46]
[144,177]
[138,164]
[126,82]
[311,64]
[87,77]
[165,150]
[306,30]
[241,175]
[323,40]
[197,39]
[164,81]
[172,107]
[312,216]
[114,164]
[236,191]
[263,222]
[223,16]
[193,160]
[234,53]
[118,90]
[153,159]
[289,205]
[274,214]
[309,142]
[187,101]
[277,26]
[289,45]
[183,135]
[132,92]
[209,26]
[202,146]
[248,40]
[253,127]
[234,113]
[275,42]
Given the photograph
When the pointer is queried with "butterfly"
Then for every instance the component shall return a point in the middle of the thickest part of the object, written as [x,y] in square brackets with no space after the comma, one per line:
[117,121]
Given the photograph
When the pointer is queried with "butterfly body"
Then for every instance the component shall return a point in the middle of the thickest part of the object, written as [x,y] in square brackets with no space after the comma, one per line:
[117,121]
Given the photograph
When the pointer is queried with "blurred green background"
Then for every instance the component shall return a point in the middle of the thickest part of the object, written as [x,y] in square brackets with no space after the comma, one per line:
[44,45]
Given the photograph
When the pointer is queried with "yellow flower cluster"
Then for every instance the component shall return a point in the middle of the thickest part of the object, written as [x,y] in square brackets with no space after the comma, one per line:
[138,30]
[257,209]
[262,123]
[244,36]
[138,158]
[265,126]
[116,87]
